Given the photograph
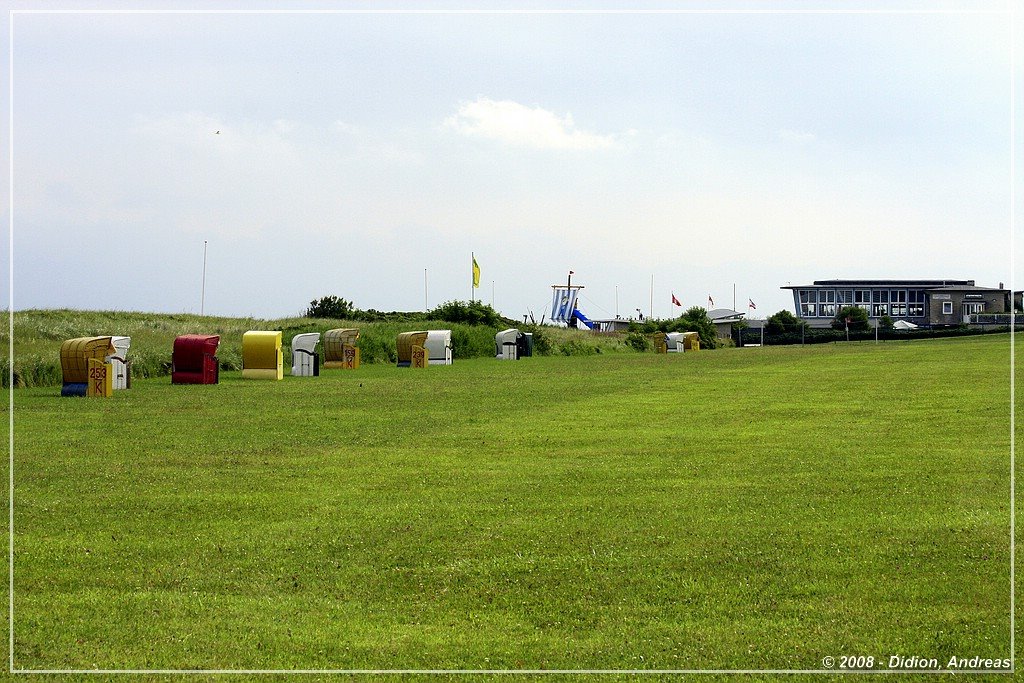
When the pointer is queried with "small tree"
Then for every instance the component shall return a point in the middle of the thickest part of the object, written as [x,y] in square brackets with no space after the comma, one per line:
[696,319]
[857,316]
[693,320]
[783,322]
[647,326]
[886,323]
[470,313]
[330,307]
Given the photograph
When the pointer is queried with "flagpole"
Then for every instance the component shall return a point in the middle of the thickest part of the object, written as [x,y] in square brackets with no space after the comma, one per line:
[202,297]
[425,308]
[652,296]
[571,321]
[472,276]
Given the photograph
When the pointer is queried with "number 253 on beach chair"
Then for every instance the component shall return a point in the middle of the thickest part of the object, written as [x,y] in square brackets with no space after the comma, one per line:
[85,367]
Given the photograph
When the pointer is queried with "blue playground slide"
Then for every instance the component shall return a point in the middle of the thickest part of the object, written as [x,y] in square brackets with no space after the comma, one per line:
[582,318]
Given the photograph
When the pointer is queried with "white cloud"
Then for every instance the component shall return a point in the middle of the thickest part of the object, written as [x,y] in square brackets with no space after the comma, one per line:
[796,136]
[516,124]
[284,126]
[347,128]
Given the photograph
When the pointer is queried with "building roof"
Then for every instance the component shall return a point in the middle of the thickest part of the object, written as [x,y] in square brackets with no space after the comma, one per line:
[725,315]
[968,288]
[919,284]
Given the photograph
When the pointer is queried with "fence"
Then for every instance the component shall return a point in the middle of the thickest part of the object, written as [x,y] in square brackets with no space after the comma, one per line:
[990,318]
[799,334]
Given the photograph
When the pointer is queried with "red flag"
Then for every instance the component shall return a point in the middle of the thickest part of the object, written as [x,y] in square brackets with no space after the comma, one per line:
[710,300]
[752,304]
[675,300]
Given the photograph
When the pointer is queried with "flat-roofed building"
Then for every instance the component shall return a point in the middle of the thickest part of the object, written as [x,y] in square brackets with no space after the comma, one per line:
[922,302]
[611,325]
[723,319]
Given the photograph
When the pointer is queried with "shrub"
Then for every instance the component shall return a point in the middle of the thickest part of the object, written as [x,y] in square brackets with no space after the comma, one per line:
[541,340]
[372,315]
[149,362]
[647,326]
[857,316]
[638,341]
[330,307]
[229,357]
[473,342]
[377,348]
[33,371]
[578,347]
[696,320]
[472,313]
[783,322]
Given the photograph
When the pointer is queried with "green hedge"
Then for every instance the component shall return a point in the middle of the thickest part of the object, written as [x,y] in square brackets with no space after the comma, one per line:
[827,335]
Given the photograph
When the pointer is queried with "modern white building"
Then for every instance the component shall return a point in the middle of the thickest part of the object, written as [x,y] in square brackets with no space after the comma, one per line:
[922,302]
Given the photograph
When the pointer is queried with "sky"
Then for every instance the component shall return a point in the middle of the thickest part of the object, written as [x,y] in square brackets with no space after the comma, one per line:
[371,155]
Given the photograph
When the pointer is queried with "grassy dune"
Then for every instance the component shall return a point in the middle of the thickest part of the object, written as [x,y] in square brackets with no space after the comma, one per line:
[38,335]
[746,508]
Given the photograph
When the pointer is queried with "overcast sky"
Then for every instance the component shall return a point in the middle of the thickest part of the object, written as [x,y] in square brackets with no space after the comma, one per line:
[351,154]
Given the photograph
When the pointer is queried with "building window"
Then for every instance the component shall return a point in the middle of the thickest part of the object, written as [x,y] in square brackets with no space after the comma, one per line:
[807,306]
[879,302]
[974,307]
[916,306]
[898,302]
[862,299]
[827,302]
[947,308]
[844,297]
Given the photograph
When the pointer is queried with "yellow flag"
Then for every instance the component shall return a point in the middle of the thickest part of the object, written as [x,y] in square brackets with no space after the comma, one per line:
[476,273]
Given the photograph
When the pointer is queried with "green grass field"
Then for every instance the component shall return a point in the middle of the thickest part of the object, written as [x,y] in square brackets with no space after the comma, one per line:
[734,509]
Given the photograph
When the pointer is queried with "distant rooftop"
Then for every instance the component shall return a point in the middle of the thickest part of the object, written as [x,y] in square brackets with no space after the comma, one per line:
[921,284]
[719,314]
[971,288]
